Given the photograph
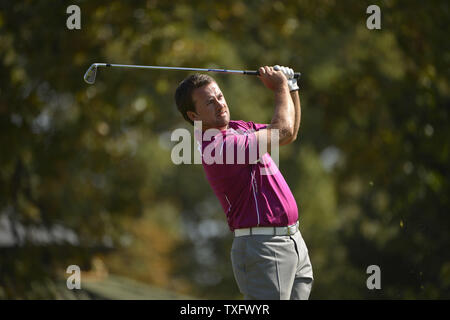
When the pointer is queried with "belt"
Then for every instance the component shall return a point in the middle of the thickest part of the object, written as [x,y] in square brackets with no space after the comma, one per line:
[269,231]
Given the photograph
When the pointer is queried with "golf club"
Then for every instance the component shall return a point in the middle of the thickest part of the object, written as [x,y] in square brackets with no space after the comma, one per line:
[91,73]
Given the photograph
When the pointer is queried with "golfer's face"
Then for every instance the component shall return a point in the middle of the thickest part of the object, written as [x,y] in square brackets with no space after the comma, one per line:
[211,107]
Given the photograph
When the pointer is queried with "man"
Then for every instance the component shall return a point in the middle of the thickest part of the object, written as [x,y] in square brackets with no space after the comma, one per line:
[269,257]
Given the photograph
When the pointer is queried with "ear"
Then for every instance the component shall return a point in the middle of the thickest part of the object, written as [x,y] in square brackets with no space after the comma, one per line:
[192,115]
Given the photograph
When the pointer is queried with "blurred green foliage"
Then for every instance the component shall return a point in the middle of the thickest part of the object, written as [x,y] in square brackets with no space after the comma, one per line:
[370,170]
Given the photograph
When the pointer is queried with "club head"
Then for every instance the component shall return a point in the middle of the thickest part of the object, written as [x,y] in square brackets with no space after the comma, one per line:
[90,74]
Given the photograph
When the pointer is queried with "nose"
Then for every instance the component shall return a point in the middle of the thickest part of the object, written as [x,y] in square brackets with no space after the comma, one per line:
[218,104]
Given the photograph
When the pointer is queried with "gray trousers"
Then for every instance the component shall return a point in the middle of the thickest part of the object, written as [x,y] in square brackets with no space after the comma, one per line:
[272,267]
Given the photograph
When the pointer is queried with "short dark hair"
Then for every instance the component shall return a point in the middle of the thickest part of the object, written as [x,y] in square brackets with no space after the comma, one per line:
[183,94]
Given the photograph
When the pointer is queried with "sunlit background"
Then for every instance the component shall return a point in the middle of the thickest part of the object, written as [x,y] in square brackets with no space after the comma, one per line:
[86,176]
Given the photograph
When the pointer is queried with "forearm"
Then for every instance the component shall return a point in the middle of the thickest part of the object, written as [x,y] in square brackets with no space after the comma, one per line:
[284,115]
[298,112]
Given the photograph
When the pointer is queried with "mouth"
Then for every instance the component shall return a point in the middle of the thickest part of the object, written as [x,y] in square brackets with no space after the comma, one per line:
[222,113]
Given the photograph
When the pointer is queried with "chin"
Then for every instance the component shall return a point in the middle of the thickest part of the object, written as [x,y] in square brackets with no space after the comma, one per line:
[225,122]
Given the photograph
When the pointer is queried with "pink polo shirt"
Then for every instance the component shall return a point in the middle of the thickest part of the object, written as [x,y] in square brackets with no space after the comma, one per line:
[250,195]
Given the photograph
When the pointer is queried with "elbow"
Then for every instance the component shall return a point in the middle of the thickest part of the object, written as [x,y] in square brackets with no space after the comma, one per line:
[295,136]
[287,135]
[291,137]
[288,141]
[286,132]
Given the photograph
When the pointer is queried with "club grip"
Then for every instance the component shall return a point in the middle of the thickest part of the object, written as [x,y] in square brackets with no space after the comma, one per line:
[256,73]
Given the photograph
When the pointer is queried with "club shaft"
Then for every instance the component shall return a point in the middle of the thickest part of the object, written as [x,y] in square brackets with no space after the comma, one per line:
[245,72]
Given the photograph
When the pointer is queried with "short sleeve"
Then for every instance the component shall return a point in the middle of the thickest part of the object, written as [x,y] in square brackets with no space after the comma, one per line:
[258,126]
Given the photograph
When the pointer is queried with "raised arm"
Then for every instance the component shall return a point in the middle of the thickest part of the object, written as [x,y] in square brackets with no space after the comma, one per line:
[293,89]
[298,113]
[283,119]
